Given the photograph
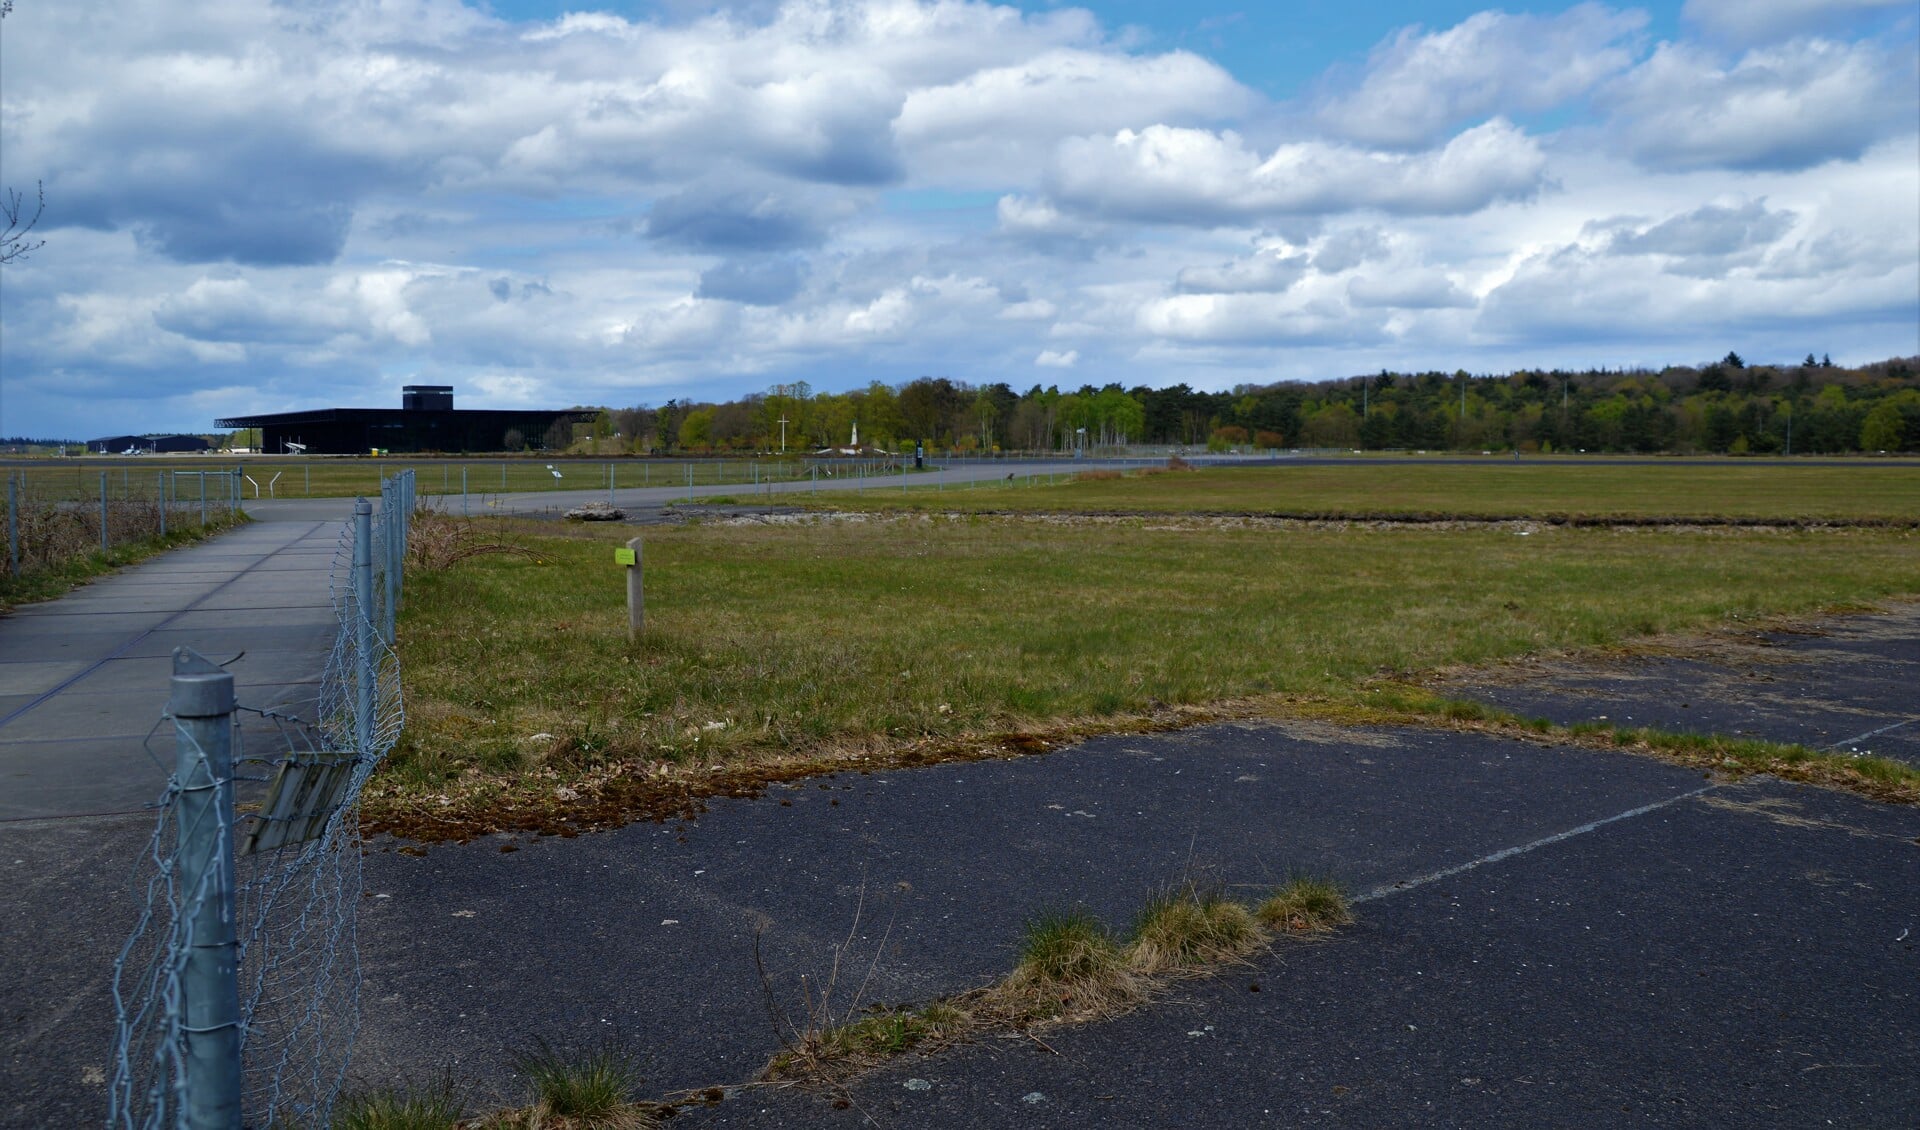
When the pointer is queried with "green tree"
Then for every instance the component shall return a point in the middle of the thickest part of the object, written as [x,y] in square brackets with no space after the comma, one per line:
[696,429]
[1884,429]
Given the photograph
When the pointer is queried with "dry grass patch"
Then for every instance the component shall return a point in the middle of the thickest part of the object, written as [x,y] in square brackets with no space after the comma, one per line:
[1071,967]
[1305,905]
[1189,927]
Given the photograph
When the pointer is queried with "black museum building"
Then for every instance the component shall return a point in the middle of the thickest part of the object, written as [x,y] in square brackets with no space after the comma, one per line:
[425,421]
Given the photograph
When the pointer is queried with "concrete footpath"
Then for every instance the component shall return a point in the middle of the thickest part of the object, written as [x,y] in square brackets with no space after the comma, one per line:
[83,681]
[1547,936]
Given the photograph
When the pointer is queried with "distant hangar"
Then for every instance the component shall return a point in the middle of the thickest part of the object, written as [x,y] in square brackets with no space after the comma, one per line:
[147,445]
[425,421]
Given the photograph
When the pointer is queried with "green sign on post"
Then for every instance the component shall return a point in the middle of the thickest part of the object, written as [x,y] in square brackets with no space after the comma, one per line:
[624,557]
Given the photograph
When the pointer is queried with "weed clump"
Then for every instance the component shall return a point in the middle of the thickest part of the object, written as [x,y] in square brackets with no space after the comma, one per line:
[584,1092]
[1069,964]
[1306,905]
[390,1108]
[1190,927]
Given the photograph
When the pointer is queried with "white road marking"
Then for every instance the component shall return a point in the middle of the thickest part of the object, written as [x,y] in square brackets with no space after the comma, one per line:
[1509,853]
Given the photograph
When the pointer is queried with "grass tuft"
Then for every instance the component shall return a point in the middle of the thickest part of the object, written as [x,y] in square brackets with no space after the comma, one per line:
[1306,905]
[584,1092]
[1070,964]
[393,1109]
[1191,926]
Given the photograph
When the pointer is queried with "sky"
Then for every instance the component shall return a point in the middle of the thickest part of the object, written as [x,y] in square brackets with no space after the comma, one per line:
[267,205]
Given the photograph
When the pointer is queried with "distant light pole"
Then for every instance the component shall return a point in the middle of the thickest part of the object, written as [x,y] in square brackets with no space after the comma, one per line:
[783,434]
[1080,443]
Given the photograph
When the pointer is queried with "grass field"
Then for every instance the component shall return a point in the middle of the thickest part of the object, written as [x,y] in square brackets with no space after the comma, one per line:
[825,639]
[1824,490]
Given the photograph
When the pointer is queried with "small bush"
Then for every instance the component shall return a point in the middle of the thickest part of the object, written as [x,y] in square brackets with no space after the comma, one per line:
[1306,905]
[393,1109]
[1192,926]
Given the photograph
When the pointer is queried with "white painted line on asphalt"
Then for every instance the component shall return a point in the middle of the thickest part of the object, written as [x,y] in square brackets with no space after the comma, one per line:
[1509,853]
[1874,733]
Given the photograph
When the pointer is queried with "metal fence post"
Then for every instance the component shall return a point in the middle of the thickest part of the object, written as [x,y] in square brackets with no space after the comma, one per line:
[201,704]
[463,490]
[363,667]
[13,524]
[160,499]
[106,537]
[390,534]
[203,500]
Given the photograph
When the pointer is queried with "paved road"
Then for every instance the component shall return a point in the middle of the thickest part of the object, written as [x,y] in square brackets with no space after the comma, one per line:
[1619,948]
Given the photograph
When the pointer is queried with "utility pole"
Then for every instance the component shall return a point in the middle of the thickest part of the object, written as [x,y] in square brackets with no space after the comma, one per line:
[783,433]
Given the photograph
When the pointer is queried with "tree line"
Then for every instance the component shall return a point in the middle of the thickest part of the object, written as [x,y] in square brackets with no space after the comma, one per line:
[1725,407]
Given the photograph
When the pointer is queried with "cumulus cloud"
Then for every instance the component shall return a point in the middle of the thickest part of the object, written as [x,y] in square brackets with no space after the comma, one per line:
[1750,21]
[701,219]
[998,124]
[1408,290]
[232,310]
[1258,319]
[755,282]
[1787,107]
[1269,270]
[1348,248]
[264,205]
[1198,177]
[1419,84]
[1710,230]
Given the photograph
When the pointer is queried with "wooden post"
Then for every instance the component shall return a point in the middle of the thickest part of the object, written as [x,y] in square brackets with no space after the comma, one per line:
[636,596]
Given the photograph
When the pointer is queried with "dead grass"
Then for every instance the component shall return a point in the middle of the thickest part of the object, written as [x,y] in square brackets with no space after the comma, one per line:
[1072,970]
[437,542]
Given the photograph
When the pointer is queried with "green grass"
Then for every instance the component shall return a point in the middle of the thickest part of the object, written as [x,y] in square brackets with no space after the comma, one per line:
[1305,904]
[589,1090]
[1830,490]
[393,1109]
[842,638]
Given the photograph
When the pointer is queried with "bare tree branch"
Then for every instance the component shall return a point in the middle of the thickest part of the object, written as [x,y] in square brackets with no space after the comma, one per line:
[14,241]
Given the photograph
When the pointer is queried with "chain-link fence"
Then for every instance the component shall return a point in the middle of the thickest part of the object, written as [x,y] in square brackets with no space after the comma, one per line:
[50,523]
[237,996]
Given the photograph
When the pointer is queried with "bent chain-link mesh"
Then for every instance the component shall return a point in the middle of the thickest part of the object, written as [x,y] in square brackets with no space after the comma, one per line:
[296,905]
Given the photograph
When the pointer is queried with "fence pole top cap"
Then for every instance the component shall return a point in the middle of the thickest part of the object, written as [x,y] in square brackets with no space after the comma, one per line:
[200,687]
